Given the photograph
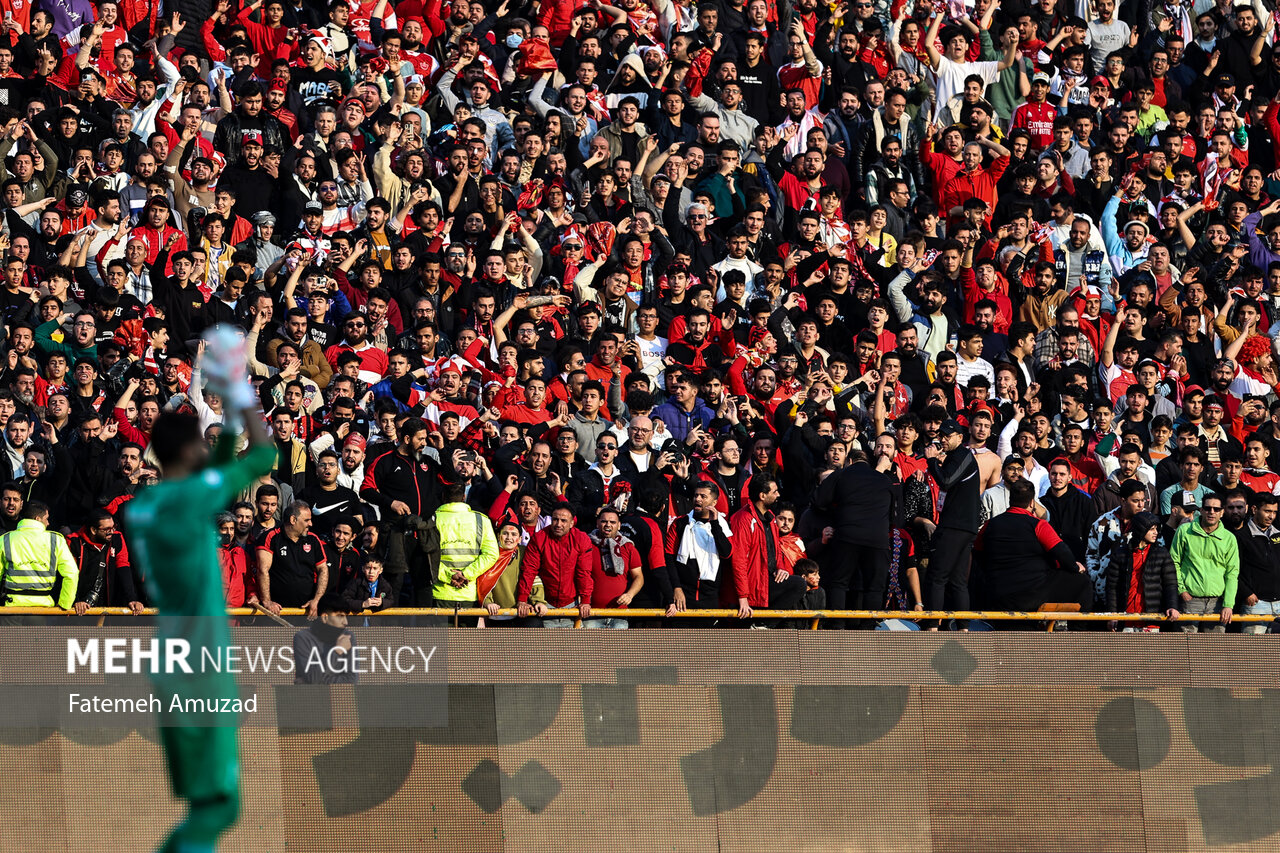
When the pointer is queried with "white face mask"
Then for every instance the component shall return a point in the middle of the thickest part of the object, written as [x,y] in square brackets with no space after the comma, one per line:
[513,40]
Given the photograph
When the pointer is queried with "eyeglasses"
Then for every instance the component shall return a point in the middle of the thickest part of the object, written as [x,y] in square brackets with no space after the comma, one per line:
[354,325]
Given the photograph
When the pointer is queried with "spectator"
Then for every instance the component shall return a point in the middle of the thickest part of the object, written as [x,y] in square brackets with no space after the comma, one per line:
[1141,577]
[1023,563]
[757,581]
[955,469]
[106,577]
[859,501]
[369,591]
[1259,546]
[617,575]
[561,555]
[321,650]
[1207,558]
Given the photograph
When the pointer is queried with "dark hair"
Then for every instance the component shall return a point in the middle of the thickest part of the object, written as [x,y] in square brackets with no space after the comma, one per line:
[760,482]
[172,433]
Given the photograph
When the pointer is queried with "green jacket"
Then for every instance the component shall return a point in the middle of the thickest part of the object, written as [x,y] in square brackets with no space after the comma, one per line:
[467,545]
[1208,564]
[31,559]
[66,346]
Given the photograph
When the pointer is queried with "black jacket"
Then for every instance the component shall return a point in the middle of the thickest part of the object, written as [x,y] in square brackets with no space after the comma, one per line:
[1016,553]
[860,500]
[1072,515]
[1159,580]
[1259,562]
[960,479]
[106,578]
[586,495]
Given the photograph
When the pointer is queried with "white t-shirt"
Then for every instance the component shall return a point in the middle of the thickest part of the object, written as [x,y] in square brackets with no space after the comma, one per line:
[651,353]
[950,79]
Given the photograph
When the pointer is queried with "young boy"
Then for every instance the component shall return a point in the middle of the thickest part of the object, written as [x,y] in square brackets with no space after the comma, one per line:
[370,592]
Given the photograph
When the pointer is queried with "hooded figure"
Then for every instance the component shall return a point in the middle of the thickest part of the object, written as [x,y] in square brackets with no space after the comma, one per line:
[1141,577]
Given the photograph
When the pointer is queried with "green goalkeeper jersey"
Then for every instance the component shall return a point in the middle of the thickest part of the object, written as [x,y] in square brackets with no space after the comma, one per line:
[174,540]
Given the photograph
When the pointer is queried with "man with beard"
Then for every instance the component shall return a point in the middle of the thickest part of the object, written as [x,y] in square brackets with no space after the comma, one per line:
[106,576]
[254,187]
[728,473]
[460,192]
[373,361]
[330,501]
[298,189]
[887,169]
[915,367]
[10,507]
[198,192]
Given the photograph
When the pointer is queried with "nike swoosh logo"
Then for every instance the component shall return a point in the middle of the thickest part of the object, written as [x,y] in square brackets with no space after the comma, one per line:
[321,510]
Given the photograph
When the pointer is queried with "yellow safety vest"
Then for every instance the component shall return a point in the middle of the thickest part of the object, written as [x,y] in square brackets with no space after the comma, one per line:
[33,557]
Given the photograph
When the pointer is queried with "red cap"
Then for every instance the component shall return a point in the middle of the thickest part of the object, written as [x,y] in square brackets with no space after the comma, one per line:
[355,439]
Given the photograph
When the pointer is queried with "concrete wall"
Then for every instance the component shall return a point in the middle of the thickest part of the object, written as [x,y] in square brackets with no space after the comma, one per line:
[733,741]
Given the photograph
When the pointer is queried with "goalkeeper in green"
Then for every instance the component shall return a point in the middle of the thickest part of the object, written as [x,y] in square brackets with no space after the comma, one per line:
[175,541]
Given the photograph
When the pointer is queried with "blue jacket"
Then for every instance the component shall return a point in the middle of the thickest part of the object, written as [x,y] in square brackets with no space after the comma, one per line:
[678,421]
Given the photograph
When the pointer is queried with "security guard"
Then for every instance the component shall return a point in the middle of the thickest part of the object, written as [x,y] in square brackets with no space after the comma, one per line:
[467,548]
[31,559]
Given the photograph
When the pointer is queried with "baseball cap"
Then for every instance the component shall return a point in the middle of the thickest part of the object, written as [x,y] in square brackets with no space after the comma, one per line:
[1040,77]
[1224,81]
[251,137]
[313,207]
[950,426]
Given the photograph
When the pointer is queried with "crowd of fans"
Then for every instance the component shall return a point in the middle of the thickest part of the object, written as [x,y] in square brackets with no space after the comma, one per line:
[659,304]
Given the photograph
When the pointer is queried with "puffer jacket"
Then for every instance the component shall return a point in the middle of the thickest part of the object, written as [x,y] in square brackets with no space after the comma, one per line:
[1159,580]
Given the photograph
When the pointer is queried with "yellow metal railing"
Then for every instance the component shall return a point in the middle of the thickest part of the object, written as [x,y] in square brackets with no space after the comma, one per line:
[815,617]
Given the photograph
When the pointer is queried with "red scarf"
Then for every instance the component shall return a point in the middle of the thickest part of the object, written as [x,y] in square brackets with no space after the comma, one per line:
[1134,603]
[489,579]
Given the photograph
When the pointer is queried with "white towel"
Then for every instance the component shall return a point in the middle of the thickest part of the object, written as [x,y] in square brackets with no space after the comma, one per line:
[698,543]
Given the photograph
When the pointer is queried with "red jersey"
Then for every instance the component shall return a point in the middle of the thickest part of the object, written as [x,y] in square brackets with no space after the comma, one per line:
[796,76]
[1038,120]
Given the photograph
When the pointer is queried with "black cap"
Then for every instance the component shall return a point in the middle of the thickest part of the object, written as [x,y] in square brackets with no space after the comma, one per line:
[950,426]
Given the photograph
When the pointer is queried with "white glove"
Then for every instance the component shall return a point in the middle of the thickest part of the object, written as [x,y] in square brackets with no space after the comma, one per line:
[225,365]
